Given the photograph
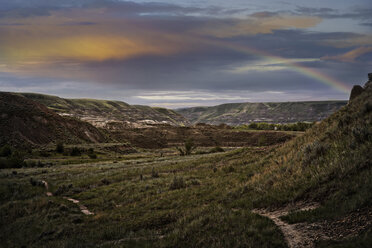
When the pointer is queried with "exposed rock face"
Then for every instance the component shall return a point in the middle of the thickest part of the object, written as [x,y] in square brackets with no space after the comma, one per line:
[369,83]
[26,123]
[356,91]
[273,112]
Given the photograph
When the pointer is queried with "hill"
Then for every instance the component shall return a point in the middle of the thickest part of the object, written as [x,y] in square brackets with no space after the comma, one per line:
[103,113]
[315,188]
[329,165]
[271,112]
[26,123]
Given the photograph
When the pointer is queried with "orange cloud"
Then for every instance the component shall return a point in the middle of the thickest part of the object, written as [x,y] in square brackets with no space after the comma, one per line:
[59,37]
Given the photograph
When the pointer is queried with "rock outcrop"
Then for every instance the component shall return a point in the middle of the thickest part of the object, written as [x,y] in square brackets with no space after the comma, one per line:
[355,92]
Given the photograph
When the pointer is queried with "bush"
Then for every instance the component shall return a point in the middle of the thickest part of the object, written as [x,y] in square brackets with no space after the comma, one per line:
[189,146]
[5,151]
[313,151]
[75,152]
[177,183]
[44,153]
[36,182]
[60,148]
[154,174]
[229,169]
[92,155]
[216,149]
[16,160]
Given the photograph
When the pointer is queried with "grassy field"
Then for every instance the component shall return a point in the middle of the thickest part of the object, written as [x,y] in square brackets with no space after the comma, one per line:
[156,198]
[152,201]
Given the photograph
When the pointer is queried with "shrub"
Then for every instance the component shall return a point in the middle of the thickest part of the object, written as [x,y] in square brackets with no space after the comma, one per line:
[229,169]
[189,146]
[92,155]
[60,148]
[313,151]
[216,149]
[36,182]
[195,182]
[44,153]
[16,160]
[105,181]
[5,151]
[177,183]
[154,174]
[75,151]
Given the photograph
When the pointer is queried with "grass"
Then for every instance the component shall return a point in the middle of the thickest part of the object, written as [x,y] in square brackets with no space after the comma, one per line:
[135,211]
[210,206]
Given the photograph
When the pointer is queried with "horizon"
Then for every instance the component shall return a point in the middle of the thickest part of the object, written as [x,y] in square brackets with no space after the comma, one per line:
[179,54]
[203,106]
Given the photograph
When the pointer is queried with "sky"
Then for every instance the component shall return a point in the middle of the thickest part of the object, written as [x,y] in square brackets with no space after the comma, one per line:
[182,53]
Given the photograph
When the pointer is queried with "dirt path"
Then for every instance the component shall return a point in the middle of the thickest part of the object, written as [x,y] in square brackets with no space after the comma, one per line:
[83,208]
[295,235]
[304,235]
[48,193]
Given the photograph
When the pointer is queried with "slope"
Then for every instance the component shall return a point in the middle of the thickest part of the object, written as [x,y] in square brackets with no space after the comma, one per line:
[25,122]
[274,112]
[331,164]
[102,112]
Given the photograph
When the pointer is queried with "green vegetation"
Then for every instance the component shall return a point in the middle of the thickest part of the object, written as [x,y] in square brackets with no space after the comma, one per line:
[60,148]
[200,200]
[11,158]
[189,146]
[298,126]
[236,114]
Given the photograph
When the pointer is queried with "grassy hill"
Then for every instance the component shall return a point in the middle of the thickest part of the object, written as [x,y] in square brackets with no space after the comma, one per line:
[272,112]
[204,200]
[99,112]
[26,123]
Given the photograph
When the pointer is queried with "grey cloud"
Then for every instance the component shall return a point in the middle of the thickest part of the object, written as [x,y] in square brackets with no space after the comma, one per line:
[357,13]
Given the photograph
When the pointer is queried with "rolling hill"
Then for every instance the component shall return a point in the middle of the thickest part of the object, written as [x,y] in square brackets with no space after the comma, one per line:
[25,122]
[317,186]
[271,112]
[109,114]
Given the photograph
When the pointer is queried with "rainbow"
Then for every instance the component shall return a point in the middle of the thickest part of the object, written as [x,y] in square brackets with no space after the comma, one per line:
[311,73]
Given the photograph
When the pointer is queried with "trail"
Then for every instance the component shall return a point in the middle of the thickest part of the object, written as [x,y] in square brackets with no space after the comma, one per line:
[48,193]
[295,235]
[304,235]
[83,208]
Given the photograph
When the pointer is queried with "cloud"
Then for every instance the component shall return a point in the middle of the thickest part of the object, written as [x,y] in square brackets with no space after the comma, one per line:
[330,13]
[184,55]
[270,65]
[258,23]
[350,56]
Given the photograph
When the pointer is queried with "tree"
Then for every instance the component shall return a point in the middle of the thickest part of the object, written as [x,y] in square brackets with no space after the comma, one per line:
[60,148]
[189,146]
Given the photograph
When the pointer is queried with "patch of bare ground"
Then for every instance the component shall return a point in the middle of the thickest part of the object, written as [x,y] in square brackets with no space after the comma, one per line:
[305,235]
[83,208]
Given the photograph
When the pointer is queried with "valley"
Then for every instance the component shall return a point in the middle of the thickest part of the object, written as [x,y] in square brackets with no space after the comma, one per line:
[227,188]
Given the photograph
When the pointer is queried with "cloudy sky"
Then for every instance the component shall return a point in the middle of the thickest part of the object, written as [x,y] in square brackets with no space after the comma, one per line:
[186,53]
